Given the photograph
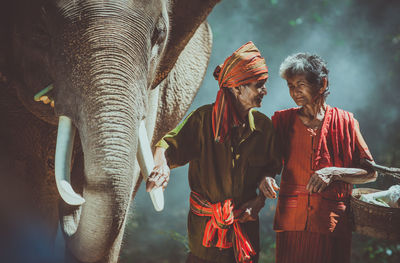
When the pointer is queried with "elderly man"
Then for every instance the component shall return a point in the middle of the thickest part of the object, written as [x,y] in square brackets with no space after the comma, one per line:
[230,148]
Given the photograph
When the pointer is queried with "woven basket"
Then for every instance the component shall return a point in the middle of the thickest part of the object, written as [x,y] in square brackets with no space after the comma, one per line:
[373,220]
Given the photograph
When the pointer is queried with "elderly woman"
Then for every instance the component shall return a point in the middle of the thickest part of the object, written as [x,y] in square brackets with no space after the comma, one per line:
[323,155]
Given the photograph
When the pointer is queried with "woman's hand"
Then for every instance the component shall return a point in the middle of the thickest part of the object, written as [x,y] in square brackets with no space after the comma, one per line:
[160,174]
[321,179]
[249,210]
[268,187]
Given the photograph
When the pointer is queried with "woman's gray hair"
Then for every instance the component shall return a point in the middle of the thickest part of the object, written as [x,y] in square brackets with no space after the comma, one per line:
[312,66]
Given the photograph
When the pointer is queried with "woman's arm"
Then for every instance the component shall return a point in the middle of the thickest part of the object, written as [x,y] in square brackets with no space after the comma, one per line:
[352,175]
[325,176]
[363,174]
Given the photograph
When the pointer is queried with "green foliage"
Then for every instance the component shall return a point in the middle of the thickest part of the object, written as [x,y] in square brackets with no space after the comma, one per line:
[296,22]
[317,18]
[372,250]
[173,235]
[267,253]
[273,2]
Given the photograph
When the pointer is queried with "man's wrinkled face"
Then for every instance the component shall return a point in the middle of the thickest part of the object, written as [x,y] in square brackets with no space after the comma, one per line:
[300,90]
[251,95]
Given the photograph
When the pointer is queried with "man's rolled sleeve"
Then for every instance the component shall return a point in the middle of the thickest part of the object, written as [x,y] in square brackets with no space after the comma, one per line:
[162,144]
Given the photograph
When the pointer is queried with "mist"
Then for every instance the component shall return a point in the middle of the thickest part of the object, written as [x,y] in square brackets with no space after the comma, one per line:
[359,40]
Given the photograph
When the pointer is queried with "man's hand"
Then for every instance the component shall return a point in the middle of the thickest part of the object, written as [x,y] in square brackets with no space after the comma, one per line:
[268,187]
[320,180]
[160,174]
[249,210]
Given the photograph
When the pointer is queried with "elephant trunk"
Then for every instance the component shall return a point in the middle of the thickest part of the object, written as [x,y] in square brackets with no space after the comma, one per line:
[106,103]
[109,143]
[109,150]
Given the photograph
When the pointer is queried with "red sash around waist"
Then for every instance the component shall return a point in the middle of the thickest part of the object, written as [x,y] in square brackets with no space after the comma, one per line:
[222,220]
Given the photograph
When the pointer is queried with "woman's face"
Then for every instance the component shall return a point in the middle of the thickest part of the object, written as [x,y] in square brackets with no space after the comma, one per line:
[251,95]
[300,90]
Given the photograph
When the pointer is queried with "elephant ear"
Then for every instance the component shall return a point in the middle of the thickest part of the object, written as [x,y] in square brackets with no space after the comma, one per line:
[185,17]
[177,91]
[170,100]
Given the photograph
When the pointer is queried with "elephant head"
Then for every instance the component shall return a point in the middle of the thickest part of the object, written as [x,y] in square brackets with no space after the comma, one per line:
[112,64]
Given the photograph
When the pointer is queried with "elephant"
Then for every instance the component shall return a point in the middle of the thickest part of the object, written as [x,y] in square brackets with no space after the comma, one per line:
[112,63]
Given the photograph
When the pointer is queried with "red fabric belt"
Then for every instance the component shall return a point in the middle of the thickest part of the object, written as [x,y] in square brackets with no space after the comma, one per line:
[222,220]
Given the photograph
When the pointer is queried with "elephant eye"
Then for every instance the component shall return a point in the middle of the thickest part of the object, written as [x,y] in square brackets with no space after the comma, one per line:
[159,33]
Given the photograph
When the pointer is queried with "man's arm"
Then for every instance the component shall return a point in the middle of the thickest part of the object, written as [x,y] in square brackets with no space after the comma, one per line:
[174,150]
[250,209]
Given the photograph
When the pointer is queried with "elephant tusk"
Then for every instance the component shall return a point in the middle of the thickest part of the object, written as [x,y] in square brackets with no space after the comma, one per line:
[146,163]
[65,143]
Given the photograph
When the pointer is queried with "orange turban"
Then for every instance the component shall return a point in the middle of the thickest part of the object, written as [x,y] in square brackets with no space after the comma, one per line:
[244,66]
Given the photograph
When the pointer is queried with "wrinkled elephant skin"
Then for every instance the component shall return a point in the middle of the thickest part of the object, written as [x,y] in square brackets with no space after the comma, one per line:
[112,64]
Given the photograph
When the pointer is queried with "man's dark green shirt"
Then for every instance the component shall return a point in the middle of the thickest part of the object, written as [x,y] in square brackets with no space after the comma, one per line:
[219,171]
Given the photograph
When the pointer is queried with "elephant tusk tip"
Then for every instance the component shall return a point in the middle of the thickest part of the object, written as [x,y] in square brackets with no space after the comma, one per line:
[157,197]
[65,141]
[68,194]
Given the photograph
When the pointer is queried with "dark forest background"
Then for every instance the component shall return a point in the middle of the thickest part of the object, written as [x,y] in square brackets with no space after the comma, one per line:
[359,39]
